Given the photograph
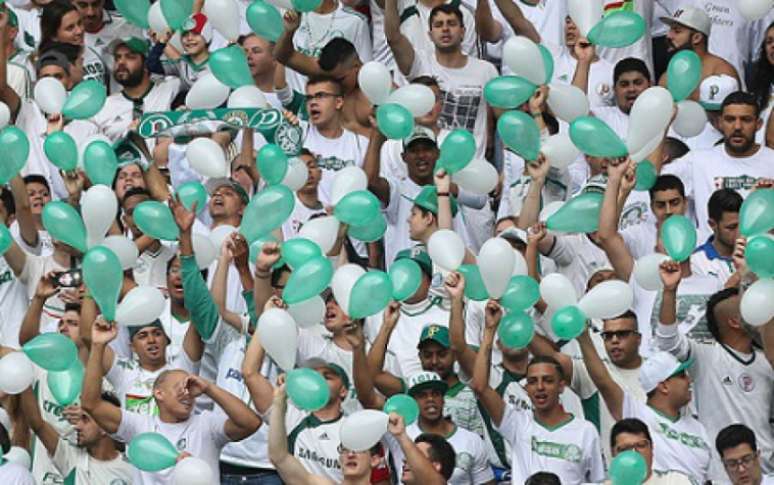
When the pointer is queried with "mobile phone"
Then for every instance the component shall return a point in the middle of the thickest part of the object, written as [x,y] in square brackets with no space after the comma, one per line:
[69,279]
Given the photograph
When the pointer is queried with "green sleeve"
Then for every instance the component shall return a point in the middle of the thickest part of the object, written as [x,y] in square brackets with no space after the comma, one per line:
[197,298]
[250,302]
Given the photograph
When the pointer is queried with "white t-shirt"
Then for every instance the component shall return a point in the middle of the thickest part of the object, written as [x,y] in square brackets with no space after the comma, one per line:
[706,261]
[151,269]
[334,154]
[43,468]
[415,25]
[13,301]
[600,88]
[80,468]
[35,268]
[577,258]
[617,120]
[300,215]
[16,474]
[314,443]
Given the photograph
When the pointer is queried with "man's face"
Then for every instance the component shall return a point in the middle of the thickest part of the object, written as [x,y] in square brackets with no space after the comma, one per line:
[68,325]
[418,222]
[679,387]
[323,101]
[726,230]
[129,67]
[600,277]
[259,56]
[666,203]
[38,195]
[129,204]
[70,29]
[91,12]
[150,344]
[355,464]
[172,396]
[225,202]
[446,32]
[57,73]
[622,341]
[597,165]
[407,476]
[335,318]
[346,73]
[193,43]
[335,385]
[175,281]
[431,119]
[637,442]
[88,431]
[628,88]
[544,385]
[434,357]
[738,122]
[128,177]
[571,33]
[742,464]
[679,38]
[314,173]
[430,402]
[420,157]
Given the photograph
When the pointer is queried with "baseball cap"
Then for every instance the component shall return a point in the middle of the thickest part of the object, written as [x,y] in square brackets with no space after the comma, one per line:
[316,363]
[419,256]
[514,234]
[199,24]
[691,17]
[714,89]
[420,133]
[216,183]
[660,367]
[437,333]
[134,330]
[428,199]
[134,44]
[425,380]
[52,57]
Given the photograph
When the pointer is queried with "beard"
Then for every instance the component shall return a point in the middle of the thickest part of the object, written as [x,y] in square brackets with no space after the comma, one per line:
[131,80]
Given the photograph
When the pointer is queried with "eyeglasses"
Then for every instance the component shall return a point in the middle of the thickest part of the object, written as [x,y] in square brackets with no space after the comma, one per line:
[321,95]
[621,334]
[639,446]
[744,461]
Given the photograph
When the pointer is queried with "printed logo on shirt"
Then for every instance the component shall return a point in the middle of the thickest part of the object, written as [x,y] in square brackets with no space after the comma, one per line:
[633,214]
[6,277]
[519,403]
[289,138]
[464,461]
[324,436]
[181,444]
[686,439]
[560,451]
[51,407]
[234,374]
[691,315]
[145,405]
[742,182]
[51,478]
[118,481]
[746,382]
[460,107]
[727,381]
[334,163]
[323,461]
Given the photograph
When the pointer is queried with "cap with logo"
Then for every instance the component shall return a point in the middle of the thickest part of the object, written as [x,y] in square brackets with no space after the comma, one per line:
[134,330]
[420,256]
[435,333]
[425,380]
[714,89]
[134,44]
[420,133]
[660,367]
[199,24]
[427,198]
[691,17]
[216,183]
[317,363]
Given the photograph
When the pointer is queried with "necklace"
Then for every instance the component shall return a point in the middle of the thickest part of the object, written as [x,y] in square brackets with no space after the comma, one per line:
[313,44]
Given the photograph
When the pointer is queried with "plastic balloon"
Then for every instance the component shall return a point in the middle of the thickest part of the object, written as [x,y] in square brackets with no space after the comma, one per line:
[298,250]
[66,385]
[560,151]
[568,322]
[224,15]
[51,351]
[417,98]
[247,97]
[683,74]
[548,63]
[508,92]
[207,93]
[265,20]
[62,221]
[308,313]
[220,234]
[6,239]
[278,334]
[204,250]
[257,246]
[457,150]
[628,468]
[323,231]
[754,9]
[16,149]
[516,330]
[375,81]
[206,156]
[608,299]
[151,452]
[50,94]
[567,102]
[645,175]
[297,174]
[618,29]
[757,305]
[343,281]
[495,262]
[690,120]
[650,115]
[759,254]
[371,293]
[520,264]
[361,430]
[193,471]
[156,20]
[85,144]
[85,100]
[61,150]
[520,133]
[229,66]
[307,389]
[557,291]
[176,12]
[593,137]
[479,177]
[579,214]
[446,249]
[406,277]
[524,58]
[348,179]
[100,163]
[404,406]
[585,13]
[272,163]
[104,277]
[757,213]
[141,306]
[124,248]
[648,149]
[16,373]
[308,280]
[357,208]
[5,115]
[550,210]
[99,207]
[135,11]
[679,237]
[394,121]
[156,220]
[267,211]
[474,284]
[521,294]
[193,192]
[373,231]
[645,271]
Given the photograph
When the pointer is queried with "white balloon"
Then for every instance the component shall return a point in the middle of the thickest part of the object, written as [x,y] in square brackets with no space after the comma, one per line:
[549,210]
[308,313]
[99,208]
[193,471]
[417,98]
[177,41]
[361,430]
[495,263]
[247,97]
[585,14]
[343,280]
[446,249]
[282,4]
[754,9]
[158,23]
[375,81]
[646,150]
[757,305]
[207,93]
[206,156]
[346,180]
[16,373]
[204,250]
[479,177]
[219,234]
[50,94]
[608,299]
[297,174]
[278,333]
[690,120]
[560,151]
[650,115]
[519,264]
[19,456]
[5,115]
[322,231]
[124,248]
[645,271]
[558,291]
[224,15]
[141,306]
[523,57]
[567,102]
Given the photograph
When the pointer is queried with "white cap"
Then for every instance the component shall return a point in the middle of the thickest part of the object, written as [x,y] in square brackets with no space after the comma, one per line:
[714,89]
[660,367]
[691,17]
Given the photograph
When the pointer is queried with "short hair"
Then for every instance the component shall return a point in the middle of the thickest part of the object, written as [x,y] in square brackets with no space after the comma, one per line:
[441,452]
[628,315]
[545,359]
[543,478]
[630,64]
[723,200]
[73,306]
[667,182]
[243,38]
[734,435]
[714,301]
[447,8]
[741,97]
[425,80]
[6,197]
[70,51]
[164,375]
[324,79]
[336,52]
[629,425]
[35,178]
[674,148]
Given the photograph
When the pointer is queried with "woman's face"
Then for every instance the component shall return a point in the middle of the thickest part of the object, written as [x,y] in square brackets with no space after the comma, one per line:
[70,29]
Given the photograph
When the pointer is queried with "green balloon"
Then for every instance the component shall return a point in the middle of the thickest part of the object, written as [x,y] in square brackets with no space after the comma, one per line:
[520,133]
[256,247]
[645,175]
[104,277]
[548,62]
[151,452]
[403,405]
[516,330]
[508,92]
[307,389]
[522,292]
[759,254]
[679,236]
[394,121]
[60,149]
[85,100]
[568,322]
[628,468]
[305,5]
[155,219]
[51,351]
[100,163]
[357,208]
[373,231]
[135,11]
[457,151]
[579,214]
[229,66]
[474,284]
[267,210]
[406,276]
[272,163]
[297,251]
[683,74]
[63,222]
[371,293]
[16,150]
[265,20]
[6,239]
[66,385]
[310,279]
[593,137]
[176,12]
[191,192]
[618,29]
[756,215]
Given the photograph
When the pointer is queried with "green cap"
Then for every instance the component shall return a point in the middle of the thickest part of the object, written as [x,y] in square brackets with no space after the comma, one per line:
[134,44]
[316,363]
[420,256]
[216,183]
[128,153]
[436,333]
[134,330]
[427,199]
[425,380]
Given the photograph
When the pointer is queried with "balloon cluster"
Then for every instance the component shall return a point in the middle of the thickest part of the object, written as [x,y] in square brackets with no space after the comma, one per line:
[756,220]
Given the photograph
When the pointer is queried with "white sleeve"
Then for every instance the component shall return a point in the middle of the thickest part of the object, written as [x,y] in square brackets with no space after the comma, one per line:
[131,425]
[562,252]
[631,408]
[117,375]
[419,66]
[392,211]
[581,382]
[64,458]
[184,362]
[216,422]
[481,472]
[514,423]
[669,339]
[596,466]
[362,42]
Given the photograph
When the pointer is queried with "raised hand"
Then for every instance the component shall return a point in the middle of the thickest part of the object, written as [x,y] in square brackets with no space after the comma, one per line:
[274,302]
[395,425]
[442,181]
[238,249]
[103,332]
[670,274]
[492,314]
[391,314]
[538,169]
[740,264]
[584,50]
[291,20]
[353,332]
[455,286]
[537,103]
[195,386]
[269,255]
[536,233]
[183,217]
[47,286]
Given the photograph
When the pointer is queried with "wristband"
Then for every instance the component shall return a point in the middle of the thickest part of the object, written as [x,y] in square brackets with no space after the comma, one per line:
[442,194]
